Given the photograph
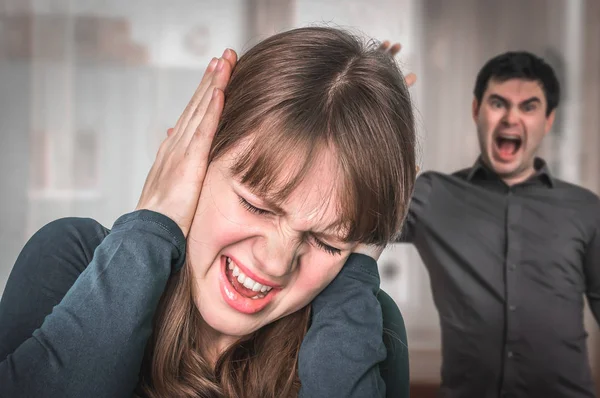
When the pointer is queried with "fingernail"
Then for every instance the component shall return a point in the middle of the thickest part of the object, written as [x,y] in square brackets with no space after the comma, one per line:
[220,64]
[215,92]
[212,64]
[226,52]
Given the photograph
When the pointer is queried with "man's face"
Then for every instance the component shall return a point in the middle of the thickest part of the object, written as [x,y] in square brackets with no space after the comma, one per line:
[511,123]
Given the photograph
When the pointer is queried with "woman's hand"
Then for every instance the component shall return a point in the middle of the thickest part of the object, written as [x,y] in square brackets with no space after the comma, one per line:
[175,180]
[386,46]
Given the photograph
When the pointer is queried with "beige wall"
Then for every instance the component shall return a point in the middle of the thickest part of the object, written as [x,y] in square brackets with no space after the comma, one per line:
[591,100]
[590,155]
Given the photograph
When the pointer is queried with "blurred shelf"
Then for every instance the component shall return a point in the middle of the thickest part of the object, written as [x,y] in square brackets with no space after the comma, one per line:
[64,194]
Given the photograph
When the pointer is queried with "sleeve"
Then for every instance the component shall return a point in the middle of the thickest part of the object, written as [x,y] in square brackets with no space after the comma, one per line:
[418,208]
[45,270]
[341,352]
[592,272]
[92,344]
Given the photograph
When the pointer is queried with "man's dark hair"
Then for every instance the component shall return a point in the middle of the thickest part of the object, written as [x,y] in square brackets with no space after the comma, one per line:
[519,65]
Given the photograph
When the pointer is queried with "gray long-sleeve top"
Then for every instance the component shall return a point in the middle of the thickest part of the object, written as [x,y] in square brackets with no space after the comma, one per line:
[78,306]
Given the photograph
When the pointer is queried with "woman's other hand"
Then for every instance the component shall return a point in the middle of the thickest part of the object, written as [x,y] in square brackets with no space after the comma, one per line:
[175,180]
[394,49]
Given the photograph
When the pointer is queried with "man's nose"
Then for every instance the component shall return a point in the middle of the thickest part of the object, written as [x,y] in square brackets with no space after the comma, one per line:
[511,117]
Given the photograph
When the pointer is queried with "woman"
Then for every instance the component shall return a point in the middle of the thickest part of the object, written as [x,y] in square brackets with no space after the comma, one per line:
[309,174]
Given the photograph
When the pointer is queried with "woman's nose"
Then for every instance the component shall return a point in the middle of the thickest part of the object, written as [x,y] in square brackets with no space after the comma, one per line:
[277,254]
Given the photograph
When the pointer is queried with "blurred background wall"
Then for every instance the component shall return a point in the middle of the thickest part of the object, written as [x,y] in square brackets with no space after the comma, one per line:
[88,89]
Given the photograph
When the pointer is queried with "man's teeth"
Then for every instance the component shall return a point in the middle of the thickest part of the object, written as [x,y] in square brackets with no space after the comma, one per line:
[509,137]
[248,282]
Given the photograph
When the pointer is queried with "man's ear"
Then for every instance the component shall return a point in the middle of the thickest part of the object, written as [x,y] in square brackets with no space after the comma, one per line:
[549,121]
[475,109]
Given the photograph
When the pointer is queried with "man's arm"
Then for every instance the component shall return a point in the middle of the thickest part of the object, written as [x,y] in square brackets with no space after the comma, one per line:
[418,207]
[343,347]
[92,343]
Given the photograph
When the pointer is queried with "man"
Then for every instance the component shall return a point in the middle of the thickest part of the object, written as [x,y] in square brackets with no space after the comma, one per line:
[510,249]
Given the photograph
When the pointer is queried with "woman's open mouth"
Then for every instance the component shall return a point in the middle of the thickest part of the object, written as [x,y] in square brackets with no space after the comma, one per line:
[242,292]
[243,284]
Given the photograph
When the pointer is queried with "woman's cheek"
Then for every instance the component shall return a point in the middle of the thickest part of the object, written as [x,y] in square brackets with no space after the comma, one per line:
[318,271]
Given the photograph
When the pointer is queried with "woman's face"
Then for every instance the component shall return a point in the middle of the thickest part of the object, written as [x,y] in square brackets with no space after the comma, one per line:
[254,262]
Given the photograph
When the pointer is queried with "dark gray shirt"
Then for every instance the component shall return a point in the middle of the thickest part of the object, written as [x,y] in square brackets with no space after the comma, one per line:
[509,268]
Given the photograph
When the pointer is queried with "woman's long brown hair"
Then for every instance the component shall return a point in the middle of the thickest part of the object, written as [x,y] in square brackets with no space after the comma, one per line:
[294,94]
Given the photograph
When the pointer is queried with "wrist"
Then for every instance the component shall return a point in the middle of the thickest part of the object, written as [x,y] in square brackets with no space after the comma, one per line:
[359,277]
[372,251]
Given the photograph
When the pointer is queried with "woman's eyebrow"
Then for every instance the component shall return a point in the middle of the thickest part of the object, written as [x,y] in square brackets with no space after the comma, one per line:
[336,236]
[262,199]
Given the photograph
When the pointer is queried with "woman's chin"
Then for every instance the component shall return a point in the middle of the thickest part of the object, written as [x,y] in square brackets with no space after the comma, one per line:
[226,324]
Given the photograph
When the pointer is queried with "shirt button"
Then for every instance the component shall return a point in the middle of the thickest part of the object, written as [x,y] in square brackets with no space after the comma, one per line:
[512,307]
[510,354]
[512,267]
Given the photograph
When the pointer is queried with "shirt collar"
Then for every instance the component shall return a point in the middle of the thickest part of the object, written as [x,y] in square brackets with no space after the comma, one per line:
[542,172]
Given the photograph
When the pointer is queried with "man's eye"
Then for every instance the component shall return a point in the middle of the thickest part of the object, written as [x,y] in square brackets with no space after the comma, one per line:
[251,208]
[329,249]
[497,104]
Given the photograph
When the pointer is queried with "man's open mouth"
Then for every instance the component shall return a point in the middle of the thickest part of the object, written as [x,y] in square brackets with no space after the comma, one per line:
[507,145]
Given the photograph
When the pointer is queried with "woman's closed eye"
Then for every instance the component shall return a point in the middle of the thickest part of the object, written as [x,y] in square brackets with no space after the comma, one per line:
[319,244]
[251,208]
[323,246]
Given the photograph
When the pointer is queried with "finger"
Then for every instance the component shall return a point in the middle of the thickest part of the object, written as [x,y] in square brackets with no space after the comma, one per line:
[230,56]
[164,147]
[384,46]
[197,97]
[170,132]
[410,79]
[220,80]
[395,49]
[200,144]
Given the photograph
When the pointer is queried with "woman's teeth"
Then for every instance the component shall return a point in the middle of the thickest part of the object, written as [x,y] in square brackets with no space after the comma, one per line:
[244,280]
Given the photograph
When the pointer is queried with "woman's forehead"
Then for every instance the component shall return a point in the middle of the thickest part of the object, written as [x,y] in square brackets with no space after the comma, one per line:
[285,163]
[315,202]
